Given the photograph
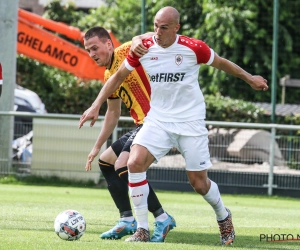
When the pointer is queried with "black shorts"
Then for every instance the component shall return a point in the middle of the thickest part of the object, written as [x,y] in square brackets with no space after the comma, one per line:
[124,143]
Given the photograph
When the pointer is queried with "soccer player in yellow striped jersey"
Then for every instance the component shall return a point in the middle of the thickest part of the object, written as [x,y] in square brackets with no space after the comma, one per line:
[134,92]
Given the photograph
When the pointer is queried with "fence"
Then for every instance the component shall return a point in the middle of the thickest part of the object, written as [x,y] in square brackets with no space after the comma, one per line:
[246,157]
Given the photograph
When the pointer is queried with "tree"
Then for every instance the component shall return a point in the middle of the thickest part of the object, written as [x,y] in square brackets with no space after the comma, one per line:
[242,31]
[123,18]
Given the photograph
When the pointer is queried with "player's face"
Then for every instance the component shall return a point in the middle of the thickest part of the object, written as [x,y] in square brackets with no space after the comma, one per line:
[165,31]
[99,50]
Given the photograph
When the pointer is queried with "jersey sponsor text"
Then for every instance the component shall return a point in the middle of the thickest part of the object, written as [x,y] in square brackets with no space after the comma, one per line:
[167,77]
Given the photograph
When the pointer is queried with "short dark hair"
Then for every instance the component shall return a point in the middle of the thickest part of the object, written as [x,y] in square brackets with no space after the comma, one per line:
[99,32]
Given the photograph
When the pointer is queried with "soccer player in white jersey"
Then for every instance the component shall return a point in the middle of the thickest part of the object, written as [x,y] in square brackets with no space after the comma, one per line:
[176,117]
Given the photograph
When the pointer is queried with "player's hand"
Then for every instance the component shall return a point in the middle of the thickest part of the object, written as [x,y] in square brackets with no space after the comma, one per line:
[90,114]
[91,157]
[137,47]
[259,83]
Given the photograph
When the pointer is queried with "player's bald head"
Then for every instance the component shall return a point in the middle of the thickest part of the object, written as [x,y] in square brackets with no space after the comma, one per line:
[170,13]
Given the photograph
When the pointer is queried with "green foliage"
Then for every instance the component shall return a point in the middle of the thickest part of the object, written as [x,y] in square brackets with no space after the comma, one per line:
[293,119]
[61,91]
[242,32]
[123,18]
[219,108]
[67,13]
[228,29]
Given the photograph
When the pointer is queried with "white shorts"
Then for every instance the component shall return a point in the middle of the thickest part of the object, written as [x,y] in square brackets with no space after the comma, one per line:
[190,138]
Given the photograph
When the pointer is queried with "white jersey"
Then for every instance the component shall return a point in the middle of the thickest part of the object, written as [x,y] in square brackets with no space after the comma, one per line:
[173,74]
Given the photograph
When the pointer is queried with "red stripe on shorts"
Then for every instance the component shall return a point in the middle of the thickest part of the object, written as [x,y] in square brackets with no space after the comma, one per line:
[144,182]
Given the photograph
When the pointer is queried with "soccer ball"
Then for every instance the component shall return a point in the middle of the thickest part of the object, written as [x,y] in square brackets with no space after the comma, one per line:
[69,225]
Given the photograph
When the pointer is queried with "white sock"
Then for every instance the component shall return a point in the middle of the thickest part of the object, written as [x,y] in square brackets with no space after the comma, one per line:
[139,191]
[129,218]
[161,217]
[213,197]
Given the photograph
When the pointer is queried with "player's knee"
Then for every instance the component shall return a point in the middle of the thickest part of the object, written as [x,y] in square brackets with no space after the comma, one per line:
[134,165]
[122,160]
[108,156]
[200,186]
[103,165]
[120,164]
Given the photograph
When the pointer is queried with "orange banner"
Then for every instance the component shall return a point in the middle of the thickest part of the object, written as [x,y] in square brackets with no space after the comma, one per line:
[45,47]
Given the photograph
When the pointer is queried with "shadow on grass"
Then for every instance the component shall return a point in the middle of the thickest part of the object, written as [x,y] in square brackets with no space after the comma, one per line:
[45,181]
[202,240]
[212,240]
[241,241]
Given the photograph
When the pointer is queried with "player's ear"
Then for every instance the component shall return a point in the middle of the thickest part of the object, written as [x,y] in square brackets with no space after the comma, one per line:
[110,43]
[177,27]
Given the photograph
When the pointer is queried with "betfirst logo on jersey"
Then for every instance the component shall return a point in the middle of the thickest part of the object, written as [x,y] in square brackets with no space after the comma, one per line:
[167,77]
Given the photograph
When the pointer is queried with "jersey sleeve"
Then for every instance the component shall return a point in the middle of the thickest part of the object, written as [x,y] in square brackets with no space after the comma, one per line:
[204,53]
[132,62]
[211,58]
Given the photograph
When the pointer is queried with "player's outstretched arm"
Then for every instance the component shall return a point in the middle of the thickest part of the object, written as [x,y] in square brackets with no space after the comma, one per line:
[255,81]
[110,121]
[109,87]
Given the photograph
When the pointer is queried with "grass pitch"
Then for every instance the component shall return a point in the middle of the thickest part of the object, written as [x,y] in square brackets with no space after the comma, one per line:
[28,213]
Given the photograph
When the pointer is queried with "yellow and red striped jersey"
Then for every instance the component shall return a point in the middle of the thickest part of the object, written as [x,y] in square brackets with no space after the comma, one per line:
[135,90]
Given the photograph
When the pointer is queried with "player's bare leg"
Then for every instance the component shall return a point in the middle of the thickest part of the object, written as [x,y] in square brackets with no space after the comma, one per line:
[210,192]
